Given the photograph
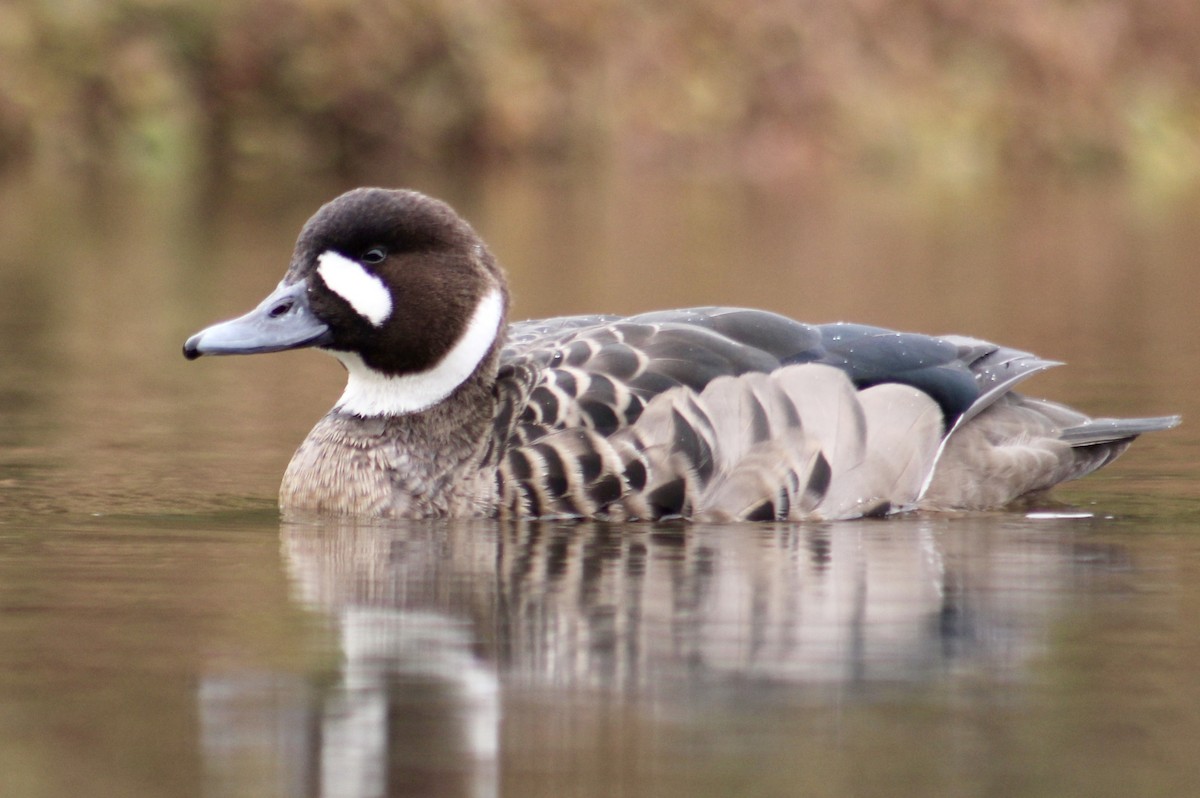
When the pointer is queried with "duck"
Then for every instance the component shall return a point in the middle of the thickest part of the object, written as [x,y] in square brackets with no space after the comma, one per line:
[711,414]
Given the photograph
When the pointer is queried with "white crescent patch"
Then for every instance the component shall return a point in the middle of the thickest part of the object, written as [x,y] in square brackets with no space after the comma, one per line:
[365,292]
[369,393]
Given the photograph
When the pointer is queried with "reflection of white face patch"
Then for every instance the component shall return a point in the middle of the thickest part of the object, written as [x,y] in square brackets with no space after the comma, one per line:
[365,292]
[369,393]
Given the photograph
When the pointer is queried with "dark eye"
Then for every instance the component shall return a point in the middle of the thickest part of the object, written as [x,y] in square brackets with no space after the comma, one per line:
[374,255]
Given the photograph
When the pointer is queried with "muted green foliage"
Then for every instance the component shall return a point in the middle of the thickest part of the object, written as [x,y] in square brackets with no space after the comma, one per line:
[769,86]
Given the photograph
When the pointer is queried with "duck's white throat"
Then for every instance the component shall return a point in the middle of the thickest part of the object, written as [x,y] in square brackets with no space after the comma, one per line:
[369,393]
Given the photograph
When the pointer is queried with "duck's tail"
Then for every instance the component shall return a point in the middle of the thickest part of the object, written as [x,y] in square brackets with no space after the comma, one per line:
[1020,445]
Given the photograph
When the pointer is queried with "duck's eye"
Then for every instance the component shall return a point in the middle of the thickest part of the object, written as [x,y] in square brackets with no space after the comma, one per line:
[374,255]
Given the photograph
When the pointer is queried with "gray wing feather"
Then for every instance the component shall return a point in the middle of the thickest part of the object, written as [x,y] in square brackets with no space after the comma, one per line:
[725,413]
[997,370]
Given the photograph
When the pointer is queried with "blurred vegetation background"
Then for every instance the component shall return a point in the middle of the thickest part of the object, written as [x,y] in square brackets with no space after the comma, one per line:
[958,90]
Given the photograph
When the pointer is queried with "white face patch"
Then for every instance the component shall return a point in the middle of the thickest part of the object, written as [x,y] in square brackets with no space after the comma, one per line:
[365,292]
[369,393]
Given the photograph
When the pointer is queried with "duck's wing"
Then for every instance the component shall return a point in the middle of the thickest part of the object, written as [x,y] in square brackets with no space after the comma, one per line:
[567,388]
[599,372]
[727,413]
[699,412]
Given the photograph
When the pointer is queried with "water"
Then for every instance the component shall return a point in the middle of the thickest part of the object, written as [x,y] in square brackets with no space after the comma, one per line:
[163,633]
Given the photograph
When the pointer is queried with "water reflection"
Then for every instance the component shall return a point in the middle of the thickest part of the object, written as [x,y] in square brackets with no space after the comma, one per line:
[438,625]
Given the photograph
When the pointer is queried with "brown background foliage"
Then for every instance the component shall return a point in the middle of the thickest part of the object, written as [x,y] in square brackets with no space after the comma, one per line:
[765,87]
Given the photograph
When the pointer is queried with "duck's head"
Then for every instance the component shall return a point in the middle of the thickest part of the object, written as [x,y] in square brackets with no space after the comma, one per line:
[395,285]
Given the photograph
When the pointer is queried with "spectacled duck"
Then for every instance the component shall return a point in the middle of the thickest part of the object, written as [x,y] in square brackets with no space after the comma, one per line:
[713,413]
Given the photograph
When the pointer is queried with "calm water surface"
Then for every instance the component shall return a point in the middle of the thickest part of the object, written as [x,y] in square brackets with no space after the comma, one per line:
[163,632]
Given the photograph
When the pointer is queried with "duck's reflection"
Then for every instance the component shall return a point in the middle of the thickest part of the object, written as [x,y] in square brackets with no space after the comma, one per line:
[413,671]
[432,619]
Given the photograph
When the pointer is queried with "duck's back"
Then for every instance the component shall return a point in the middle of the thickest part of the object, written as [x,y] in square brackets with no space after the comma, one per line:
[729,413]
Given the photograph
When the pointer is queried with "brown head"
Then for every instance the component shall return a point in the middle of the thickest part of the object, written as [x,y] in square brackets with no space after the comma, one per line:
[395,285]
